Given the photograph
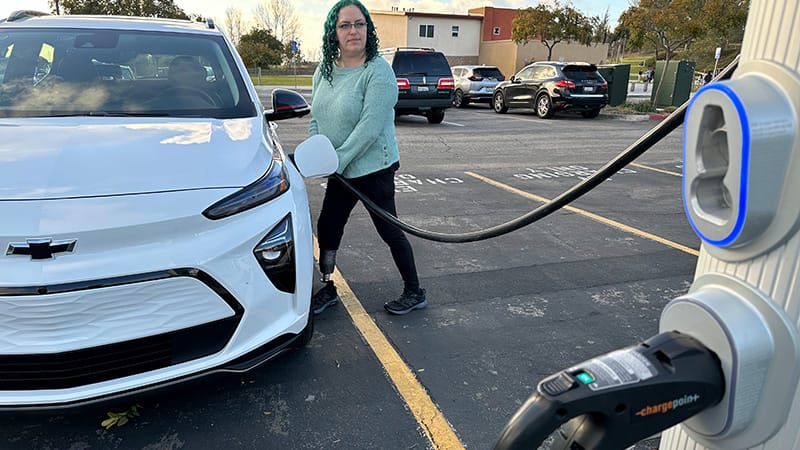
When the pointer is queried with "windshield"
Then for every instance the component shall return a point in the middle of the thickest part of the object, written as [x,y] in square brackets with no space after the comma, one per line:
[422,63]
[62,72]
[486,72]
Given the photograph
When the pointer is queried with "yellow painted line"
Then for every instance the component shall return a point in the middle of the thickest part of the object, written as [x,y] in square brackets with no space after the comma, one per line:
[439,432]
[593,216]
[655,169]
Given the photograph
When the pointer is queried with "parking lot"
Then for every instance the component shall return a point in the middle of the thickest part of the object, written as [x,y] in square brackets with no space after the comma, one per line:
[503,313]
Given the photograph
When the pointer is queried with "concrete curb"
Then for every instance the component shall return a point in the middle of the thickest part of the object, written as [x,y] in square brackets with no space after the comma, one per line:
[644,117]
[658,116]
[626,117]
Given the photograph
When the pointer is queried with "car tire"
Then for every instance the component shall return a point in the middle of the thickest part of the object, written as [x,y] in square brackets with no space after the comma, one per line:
[435,116]
[498,103]
[591,114]
[306,334]
[544,106]
[458,99]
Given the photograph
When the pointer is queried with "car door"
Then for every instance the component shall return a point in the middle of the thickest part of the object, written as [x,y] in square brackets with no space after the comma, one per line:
[518,92]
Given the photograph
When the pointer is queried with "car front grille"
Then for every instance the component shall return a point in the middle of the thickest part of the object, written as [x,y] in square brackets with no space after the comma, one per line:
[94,365]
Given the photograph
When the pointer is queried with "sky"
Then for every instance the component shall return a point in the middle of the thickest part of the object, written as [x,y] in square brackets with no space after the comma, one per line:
[311,13]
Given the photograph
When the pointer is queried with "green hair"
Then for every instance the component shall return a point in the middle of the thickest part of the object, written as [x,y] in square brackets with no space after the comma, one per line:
[330,42]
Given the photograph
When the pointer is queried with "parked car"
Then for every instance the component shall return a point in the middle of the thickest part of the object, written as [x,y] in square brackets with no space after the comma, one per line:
[153,229]
[475,84]
[548,87]
[424,81]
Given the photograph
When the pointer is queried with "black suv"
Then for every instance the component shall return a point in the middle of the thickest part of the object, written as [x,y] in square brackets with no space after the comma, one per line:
[424,81]
[548,87]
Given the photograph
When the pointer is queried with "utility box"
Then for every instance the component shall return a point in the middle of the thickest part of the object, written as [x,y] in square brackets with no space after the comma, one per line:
[677,87]
[617,76]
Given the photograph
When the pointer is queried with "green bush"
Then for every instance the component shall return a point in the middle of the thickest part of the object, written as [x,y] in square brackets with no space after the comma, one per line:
[643,106]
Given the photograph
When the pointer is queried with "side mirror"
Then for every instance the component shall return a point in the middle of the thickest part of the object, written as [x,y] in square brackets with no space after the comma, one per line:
[515,79]
[287,104]
[315,157]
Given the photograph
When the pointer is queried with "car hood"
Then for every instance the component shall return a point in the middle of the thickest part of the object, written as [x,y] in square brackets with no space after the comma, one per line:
[50,159]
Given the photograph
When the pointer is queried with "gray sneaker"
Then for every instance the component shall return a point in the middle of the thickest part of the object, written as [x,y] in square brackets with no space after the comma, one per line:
[326,296]
[407,302]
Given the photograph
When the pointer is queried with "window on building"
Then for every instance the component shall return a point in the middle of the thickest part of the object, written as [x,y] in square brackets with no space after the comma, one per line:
[496,31]
[455,31]
[426,31]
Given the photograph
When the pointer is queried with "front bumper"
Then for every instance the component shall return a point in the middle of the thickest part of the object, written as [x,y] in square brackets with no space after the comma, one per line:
[178,296]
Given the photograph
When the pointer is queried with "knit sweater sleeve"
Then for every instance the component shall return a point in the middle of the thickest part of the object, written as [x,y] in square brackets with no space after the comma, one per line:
[380,96]
[313,129]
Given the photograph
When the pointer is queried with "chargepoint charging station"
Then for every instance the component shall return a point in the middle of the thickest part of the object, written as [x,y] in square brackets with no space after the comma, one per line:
[723,373]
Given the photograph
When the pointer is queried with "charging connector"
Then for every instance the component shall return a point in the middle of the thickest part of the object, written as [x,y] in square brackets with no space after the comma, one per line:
[759,353]
[617,399]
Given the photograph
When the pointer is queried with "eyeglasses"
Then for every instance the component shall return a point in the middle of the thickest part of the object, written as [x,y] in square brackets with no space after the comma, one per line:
[346,26]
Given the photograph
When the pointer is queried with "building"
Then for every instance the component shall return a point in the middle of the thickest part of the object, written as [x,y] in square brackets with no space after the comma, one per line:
[483,36]
[457,36]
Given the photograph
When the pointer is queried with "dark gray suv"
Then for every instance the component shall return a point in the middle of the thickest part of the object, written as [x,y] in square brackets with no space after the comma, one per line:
[424,81]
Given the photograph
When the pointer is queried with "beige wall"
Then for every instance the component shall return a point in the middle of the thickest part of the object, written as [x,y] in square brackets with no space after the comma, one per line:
[502,54]
[391,28]
[396,29]
[466,44]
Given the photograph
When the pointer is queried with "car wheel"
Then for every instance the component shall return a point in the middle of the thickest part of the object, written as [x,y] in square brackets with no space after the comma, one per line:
[544,106]
[592,113]
[435,116]
[459,101]
[499,103]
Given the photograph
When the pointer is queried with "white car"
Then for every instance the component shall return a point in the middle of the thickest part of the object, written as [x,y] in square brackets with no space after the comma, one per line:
[152,229]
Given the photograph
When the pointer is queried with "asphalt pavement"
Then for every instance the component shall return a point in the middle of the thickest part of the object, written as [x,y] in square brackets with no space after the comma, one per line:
[503,313]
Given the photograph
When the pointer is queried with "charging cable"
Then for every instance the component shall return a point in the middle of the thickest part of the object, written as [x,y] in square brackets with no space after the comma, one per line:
[610,168]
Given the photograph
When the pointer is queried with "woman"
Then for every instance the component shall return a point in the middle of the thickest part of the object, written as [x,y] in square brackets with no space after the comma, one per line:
[354,93]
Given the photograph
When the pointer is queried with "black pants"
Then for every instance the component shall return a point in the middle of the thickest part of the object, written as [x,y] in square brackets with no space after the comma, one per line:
[338,203]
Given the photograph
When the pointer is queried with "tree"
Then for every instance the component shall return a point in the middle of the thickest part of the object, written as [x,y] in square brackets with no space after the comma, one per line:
[55,6]
[279,17]
[725,20]
[551,25]
[601,28]
[668,24]
[233,24]
[143,8]
[619,38]
[260,48]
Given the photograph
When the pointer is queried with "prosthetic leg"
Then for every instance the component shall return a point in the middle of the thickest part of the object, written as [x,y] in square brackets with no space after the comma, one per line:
[327,261]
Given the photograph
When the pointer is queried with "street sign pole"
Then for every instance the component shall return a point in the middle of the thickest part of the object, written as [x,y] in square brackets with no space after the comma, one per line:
[717,54]
[294,60]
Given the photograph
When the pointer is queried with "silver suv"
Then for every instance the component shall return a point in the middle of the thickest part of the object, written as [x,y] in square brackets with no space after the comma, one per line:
[475,84]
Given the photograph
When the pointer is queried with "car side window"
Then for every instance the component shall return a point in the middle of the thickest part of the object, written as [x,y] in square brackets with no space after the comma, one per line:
[545,72]
[525,74]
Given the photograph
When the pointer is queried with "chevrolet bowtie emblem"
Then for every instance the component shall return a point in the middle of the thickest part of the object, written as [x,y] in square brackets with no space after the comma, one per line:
[41,248]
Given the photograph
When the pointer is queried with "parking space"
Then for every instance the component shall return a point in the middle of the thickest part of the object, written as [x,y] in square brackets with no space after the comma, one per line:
[503,313]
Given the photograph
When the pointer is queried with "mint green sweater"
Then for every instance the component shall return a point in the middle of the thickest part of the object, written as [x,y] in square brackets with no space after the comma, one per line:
[357,114]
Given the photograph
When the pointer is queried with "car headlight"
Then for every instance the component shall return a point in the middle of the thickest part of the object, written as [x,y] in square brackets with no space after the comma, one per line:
[275,255]
[274,183]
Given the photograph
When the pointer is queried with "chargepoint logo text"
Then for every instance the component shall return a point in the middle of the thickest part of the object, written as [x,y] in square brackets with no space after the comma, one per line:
[665,407]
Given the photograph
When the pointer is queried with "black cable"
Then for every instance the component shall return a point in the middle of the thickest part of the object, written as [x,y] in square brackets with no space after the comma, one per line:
[610,168]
